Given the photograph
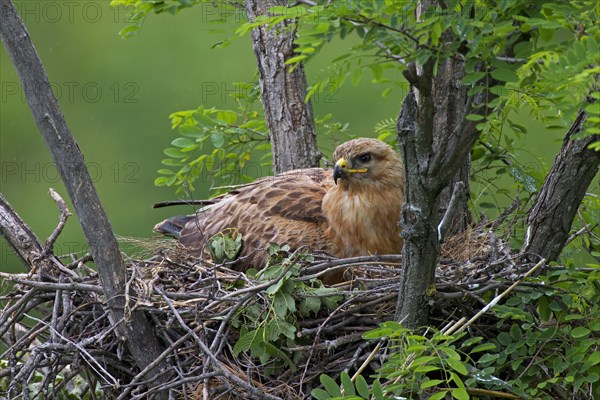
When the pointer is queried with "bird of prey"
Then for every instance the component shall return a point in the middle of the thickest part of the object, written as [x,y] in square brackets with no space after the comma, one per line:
[349,211]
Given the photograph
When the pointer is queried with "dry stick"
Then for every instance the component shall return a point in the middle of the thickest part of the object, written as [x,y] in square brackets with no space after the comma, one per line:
[379,259]
[216,363]
[100,371]
[495,301]
[314,344]
[6,314]
[64,214]
[149,367]
[84,287]
[94,222]
[180,382]
[492,393]
[368,360]
[458,193]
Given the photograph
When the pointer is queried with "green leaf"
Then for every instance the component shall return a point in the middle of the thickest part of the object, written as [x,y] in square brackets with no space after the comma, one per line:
[377,71]
[544,309]
[218,139]
[483,347]
[245,342]
[473,77]
[183,142]
[204,120]
[191,131]
[431,382]
[488,358]
[504,338]
[330,385]
[347,384]
[439,395]
[377,390]
[296,59]
[505,75]
[471,341]
[457,366]
[320,394]
[161,181]
[170,162]
[422,360]
[173,152]
[460,394]
[356,76]
[427,368]
[362,387]
[580,332]
[474,117]
[594,358]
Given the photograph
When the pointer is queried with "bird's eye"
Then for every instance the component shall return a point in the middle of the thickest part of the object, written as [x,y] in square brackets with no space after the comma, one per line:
[364,158]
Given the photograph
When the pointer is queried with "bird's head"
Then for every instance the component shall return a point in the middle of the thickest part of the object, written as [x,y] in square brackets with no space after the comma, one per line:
[365,160]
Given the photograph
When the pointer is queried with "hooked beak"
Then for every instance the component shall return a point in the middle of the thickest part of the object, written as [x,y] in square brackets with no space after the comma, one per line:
[339,171]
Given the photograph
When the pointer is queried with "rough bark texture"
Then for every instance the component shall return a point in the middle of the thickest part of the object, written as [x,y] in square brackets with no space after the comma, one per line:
[70,163]
[549,220]
[418,220]
[18,235]
[450,98]
[436,140]
[289,118]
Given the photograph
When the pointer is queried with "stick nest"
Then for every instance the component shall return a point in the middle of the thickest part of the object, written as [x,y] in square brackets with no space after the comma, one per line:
[56,321]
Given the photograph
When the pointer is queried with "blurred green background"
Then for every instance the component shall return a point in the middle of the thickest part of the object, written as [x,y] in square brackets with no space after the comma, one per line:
[117,93]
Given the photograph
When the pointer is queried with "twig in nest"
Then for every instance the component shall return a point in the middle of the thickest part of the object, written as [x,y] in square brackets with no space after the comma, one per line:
[75,286]
[495,300]
[64,214]
[91,361]
[458,193]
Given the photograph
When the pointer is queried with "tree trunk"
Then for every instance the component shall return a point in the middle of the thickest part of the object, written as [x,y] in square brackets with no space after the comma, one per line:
[549,220]
[288,116]
[141,340]
[436,140]
[418,219]
[450,98]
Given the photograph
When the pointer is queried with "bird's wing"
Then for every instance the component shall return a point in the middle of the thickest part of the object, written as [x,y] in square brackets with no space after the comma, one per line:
[286,208]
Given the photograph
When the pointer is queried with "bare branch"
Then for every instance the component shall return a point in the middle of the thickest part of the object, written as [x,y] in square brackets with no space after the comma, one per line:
[458,194]
[64,214]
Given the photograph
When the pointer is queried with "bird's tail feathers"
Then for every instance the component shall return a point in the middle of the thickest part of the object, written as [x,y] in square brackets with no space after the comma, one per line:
[173,225]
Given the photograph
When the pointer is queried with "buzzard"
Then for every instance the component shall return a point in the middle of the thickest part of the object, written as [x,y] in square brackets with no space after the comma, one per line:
[349,211]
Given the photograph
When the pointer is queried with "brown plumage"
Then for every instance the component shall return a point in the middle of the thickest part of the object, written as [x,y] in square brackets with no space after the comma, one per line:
[350,211]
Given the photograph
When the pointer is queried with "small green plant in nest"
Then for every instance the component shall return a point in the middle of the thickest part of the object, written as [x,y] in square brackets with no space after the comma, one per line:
[269,325]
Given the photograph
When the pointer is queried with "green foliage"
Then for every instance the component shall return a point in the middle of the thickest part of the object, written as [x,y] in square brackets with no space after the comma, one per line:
[225,246]
[549,335]
[216,144]
[269,325]
[140,9]
[546,347]
[416,365]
